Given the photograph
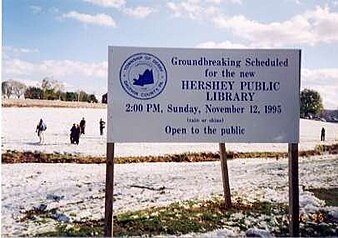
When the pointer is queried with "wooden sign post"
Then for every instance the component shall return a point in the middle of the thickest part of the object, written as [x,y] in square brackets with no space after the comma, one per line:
[109,192]
[225,176]
[293,190]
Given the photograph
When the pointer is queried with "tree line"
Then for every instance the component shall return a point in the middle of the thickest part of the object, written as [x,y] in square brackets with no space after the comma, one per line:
[310,100]
[49,90]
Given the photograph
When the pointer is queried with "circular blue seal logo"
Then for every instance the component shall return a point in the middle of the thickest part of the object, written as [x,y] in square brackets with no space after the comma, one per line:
[143,76]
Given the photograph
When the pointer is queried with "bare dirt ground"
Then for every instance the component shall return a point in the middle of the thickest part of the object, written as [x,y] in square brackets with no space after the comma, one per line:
[10,102]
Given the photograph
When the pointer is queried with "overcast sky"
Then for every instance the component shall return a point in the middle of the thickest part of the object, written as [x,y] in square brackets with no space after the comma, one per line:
[67,40]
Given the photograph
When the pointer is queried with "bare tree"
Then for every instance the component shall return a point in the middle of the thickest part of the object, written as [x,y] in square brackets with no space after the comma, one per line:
[58,88]
[46,83]
[18,88]
[12,87]
[53,86]
[6,89]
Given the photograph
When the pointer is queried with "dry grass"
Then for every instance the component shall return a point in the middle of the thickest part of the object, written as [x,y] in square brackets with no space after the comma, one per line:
[13,156]
[197,216]
[48,103]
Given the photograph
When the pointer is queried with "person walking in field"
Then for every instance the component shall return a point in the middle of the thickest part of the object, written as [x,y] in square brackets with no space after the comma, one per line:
[82,125]
[73,134]
[102,126]
[322,134]
[40,128]
[77,134]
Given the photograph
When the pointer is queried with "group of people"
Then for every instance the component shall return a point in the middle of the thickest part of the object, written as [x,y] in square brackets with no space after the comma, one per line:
[75,131]
[78,129]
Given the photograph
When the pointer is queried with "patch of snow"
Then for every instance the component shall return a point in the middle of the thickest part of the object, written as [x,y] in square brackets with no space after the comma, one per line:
[216,233]
[334,213]
[61,217]
[310,203]
[254,232]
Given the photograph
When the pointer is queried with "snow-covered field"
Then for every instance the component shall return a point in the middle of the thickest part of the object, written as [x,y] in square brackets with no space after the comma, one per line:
[18,133]
[80,187]
[77,190]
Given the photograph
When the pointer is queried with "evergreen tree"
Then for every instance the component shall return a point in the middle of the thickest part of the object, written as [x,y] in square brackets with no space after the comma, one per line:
[34,93]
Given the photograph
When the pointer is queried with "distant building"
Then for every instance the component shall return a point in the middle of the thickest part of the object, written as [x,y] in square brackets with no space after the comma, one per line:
[329,115]
[104,98]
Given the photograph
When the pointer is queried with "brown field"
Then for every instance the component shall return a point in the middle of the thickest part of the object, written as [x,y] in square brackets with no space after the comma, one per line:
[48,103]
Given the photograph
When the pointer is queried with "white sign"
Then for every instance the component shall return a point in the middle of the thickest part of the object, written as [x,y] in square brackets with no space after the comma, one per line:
[203,95]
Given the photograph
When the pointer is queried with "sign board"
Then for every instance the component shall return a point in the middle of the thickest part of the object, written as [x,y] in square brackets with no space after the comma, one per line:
[203,95]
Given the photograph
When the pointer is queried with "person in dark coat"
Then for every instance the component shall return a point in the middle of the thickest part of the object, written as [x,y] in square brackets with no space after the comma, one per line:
[102,126]
[82,125]
[73,134]
[77,134]
[40,128]
[322,134]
